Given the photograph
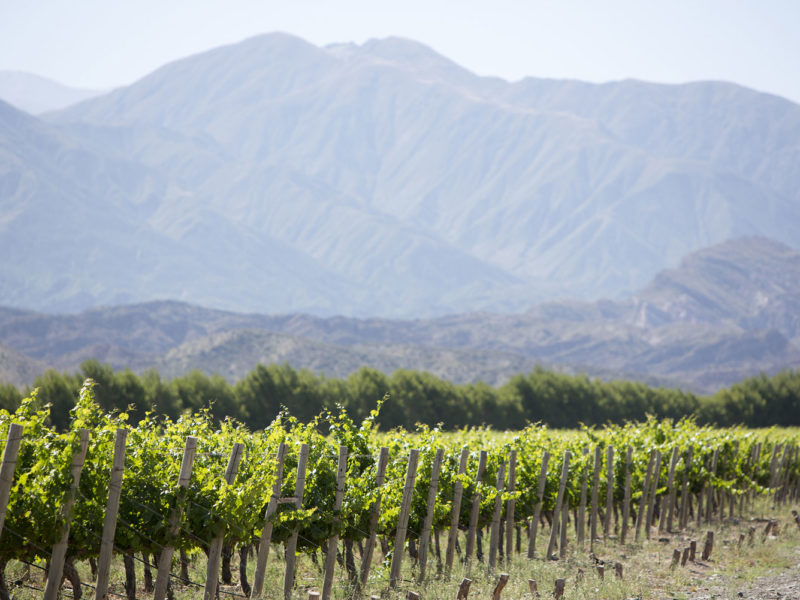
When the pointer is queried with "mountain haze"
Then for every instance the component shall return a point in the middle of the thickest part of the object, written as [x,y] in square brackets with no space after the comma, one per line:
[383,180]
[35,94]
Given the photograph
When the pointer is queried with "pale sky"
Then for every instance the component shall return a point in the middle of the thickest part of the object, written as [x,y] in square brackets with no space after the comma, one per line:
[106,43]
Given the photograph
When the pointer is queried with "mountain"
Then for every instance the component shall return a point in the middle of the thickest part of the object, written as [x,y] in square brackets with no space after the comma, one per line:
[35,94]
[274,176]
[727,312]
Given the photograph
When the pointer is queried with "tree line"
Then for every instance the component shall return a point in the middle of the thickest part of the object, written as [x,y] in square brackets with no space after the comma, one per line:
[556,399]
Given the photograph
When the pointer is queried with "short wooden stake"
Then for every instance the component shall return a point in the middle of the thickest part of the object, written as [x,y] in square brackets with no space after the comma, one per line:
[313,595]
[498,588]
[579,575]
[708,546]
[291,543]
[58,557]
[463,589]
[9,466]
[402,521]
[537,511]
[559,500]
[692,550]
[165,558]
[685,556]
[676,558]
[626,501]
[751,535]
[562,545]
[412,595]
[618,570]
[740,542]
[641,513]
[533,588]
[558,590]
[374,515]
[110,519]
[333,542]
[601,572]
[266,532]
[455,514]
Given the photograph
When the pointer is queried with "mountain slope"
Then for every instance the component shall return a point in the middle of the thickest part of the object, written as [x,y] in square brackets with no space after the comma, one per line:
[35,94]
[418,188]
[726,313]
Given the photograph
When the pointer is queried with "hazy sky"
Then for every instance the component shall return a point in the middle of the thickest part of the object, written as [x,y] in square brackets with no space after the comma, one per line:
[105,43]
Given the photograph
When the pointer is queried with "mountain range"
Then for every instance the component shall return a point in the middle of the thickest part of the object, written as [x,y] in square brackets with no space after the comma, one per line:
[727,312]
[35,94]
[383,180]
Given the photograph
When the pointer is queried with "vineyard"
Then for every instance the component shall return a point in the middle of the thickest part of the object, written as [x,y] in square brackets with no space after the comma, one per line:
[362,505]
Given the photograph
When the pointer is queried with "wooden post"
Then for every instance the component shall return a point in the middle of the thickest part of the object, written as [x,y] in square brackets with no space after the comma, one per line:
[640,514]
[562,546]
[110,519]
[666,515]
[165,558]
[215,548]
[511,505]
[412,595]
[463,589]
[685,556]
[595,493]
[402,521]
[687,467]
[475,512]
[559,500]
[537,511]
[653,491]
[676,558]
[333,542]
[374,514]
[609,491]
[424,539]
[266,532]
[692,550]
[9,466]
[455,514]
[581,524]
[626,502]
[533,588]
[708,546]
[498,509]
[498,588]
[601,572]
[558,590]
[618,570]
[56,569]
[313,595]
[710,487]
[291,543]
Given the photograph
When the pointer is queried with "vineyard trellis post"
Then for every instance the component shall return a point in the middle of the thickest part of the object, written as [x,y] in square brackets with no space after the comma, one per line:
[511,505]
[458,492]
[598,453]
[626,500]
[165,558]
[424,539]
[402,520]
[59,554]
[9,467]
[498,509]
[666,515]
[709,487]
[687,467]
[537,511]
[291,543]
[559,500]
[333,542]
[266,532]
[110,519]
[609,491]
[580,526]
[651,503]
[640,514]
[375,511]
[475,512]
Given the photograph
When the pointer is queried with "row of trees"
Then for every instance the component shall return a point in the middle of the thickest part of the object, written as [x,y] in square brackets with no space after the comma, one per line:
[553,398]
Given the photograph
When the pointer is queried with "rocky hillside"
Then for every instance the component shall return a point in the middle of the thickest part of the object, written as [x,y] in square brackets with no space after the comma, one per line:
[274,176]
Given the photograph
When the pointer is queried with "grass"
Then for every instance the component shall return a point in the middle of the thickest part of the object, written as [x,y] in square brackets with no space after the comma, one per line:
[647,569]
